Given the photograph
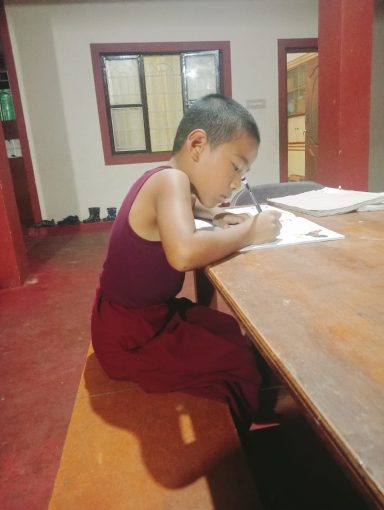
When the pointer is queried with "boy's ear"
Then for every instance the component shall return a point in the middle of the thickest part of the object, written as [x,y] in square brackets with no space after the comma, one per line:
[196,141]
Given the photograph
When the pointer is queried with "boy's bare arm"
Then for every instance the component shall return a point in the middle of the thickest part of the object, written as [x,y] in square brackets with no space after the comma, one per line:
[187,248]
[200,211]
[218,215]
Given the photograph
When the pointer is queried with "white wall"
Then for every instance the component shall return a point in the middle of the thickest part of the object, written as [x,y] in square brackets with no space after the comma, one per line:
[51,41]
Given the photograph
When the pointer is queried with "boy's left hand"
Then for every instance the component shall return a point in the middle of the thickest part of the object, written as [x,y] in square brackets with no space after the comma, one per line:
[227,219]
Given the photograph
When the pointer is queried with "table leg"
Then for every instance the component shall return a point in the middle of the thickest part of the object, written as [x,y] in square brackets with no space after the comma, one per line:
[204,289]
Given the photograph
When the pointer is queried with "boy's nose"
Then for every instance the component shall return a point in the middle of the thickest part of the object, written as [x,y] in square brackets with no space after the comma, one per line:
[236,183]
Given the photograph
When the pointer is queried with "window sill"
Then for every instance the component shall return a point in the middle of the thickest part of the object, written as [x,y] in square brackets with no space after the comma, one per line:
[127,159]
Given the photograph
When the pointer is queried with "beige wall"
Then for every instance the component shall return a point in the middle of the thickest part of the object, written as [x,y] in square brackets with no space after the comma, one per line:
[51,49]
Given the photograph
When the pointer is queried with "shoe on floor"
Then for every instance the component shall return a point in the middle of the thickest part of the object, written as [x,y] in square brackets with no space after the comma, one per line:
[44,223]
[111,214]
[94,215]
[69,220]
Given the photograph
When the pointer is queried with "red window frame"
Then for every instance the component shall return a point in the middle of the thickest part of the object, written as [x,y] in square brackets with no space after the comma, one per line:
[120,48]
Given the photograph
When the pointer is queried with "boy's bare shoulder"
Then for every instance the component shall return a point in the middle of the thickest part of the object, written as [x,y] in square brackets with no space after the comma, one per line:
[171,173]
[170,178]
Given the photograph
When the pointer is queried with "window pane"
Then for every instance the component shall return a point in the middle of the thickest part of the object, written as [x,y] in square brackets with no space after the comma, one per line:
[201,75]
[164,99]
[123,80]
[128,129]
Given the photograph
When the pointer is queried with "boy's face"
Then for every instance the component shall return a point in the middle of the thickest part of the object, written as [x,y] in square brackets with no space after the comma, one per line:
[221,168]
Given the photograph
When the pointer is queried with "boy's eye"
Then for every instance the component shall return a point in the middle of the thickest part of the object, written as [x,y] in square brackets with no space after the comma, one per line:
[236,168]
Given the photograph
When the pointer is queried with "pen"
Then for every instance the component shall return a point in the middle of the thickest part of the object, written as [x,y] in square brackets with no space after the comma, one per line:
[256,203]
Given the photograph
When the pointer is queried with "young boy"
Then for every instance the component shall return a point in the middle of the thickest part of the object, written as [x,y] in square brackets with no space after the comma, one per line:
[140,330]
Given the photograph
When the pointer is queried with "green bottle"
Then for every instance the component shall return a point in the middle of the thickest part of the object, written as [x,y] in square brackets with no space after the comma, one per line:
[6,105]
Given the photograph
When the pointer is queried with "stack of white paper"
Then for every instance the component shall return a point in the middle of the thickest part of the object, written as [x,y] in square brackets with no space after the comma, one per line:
[330,201]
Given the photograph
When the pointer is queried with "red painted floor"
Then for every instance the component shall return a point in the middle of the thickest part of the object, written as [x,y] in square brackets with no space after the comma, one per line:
[44,338]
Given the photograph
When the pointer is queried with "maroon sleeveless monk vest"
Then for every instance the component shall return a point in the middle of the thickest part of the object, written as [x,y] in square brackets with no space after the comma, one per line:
[136,272]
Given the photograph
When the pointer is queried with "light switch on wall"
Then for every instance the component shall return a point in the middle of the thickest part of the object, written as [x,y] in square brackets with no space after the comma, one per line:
[255,104]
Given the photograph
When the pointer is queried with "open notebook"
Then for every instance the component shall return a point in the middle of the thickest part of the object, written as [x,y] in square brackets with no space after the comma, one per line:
[294,230]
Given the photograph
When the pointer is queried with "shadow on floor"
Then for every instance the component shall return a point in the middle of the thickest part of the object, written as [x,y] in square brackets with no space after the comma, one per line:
[182,437]
[293,469]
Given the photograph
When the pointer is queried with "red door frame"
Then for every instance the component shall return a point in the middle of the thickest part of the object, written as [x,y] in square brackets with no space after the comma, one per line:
[287,46]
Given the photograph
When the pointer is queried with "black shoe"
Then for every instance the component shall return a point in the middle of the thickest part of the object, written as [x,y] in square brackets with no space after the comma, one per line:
[44,223]
[69,220]
[94,215]
[111,214]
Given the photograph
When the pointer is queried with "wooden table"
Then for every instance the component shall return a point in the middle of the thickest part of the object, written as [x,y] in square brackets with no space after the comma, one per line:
[316,313]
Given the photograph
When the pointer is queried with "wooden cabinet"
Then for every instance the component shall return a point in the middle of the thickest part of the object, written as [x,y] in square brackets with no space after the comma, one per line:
[302,117]
[296,84]
[15,158]
[296,147]
[296,129]
[296,90]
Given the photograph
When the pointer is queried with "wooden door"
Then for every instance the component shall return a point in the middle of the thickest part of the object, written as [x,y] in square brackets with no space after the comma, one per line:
[311,119]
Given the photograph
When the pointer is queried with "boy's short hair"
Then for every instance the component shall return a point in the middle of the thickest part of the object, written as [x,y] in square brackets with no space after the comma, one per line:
[222,118]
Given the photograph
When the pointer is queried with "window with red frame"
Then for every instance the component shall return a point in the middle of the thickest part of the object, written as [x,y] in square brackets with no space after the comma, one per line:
[144,89]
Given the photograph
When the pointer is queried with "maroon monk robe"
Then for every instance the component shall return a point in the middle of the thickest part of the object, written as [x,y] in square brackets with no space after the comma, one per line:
[142,333]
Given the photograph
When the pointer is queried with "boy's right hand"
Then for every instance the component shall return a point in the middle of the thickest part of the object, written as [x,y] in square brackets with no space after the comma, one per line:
[265,227]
